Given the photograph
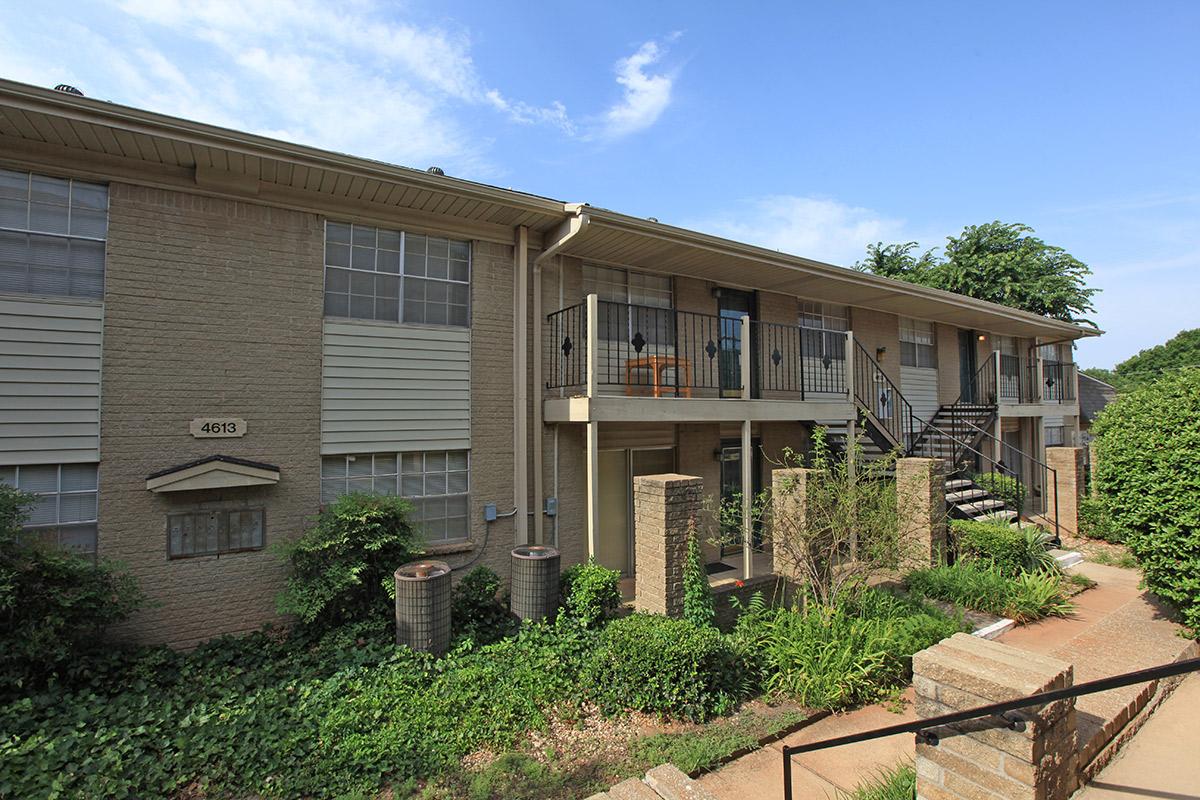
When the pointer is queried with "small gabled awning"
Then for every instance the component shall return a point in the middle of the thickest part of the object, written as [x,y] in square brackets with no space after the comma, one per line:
[213,472]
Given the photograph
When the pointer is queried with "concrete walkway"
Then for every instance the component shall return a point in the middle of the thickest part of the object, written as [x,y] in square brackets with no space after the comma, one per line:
[1162,760]
[1117,628]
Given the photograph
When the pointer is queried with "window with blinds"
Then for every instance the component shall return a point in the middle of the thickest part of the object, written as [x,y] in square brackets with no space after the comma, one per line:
[392,276]
[917,344]
[823,326]
[640,294]
[52,235]
[64,512]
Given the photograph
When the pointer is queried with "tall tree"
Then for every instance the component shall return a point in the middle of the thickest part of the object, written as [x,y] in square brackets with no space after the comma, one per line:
[1181,351]
[1002,262]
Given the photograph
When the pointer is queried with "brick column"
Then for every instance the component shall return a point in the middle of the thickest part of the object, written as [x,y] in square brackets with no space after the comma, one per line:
[979,758]
[1067,462]
[666,508]
[789,507]
[921,507]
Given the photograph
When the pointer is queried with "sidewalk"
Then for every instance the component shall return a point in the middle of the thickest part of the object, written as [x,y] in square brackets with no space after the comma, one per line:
[1117,628]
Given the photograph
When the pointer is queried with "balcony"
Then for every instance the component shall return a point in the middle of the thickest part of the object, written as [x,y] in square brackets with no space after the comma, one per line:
[627,362]
[1042,382]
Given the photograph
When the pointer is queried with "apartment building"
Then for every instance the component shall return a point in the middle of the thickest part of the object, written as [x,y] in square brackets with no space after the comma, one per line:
[205,334]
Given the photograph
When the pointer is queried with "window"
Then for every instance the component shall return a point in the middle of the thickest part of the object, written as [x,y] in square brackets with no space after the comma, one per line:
[52,233]
[437,482]
[374,273]
[210,533]
[641,294]
[824,326]
[1056,435]
[64,513]
[917,347]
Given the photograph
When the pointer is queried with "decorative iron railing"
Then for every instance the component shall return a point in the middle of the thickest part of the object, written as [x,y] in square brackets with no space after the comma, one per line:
[1058,382]
[876,394]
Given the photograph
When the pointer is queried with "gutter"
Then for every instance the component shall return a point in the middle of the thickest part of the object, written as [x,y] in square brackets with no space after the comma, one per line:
[571,228]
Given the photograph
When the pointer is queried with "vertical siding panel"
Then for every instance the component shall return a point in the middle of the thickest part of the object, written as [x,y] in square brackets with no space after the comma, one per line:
[49,381]
[919,385]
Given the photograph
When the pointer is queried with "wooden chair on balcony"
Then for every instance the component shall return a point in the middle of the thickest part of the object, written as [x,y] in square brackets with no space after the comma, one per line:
[658,387]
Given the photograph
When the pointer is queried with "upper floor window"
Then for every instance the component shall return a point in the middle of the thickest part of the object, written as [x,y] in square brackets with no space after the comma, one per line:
[380,274]
[1060,352]
[52,234]
[640,293]
[824,326]
[437,483]
[917,344]
[64,509]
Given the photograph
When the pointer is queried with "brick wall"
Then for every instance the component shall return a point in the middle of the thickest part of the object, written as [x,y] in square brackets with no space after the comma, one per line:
[875,329]
[949,383]
[212,308]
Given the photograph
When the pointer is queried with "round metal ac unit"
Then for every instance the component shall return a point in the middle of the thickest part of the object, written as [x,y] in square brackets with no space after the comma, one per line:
[423,606]
[534,581]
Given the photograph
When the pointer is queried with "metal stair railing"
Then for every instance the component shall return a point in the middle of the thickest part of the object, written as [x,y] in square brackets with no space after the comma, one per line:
[881,400]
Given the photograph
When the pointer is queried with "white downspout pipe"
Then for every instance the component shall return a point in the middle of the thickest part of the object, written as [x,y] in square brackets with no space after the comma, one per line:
[571,228]
[521,384]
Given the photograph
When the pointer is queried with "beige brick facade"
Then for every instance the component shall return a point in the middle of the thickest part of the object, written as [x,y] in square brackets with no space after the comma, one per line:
[212,308]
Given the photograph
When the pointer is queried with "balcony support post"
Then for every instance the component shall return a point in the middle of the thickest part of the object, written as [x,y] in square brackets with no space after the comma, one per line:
[747,456]
[593,432]
[593,313]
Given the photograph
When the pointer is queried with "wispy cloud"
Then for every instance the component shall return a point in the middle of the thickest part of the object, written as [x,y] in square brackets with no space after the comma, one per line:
[814,227]
[645,95]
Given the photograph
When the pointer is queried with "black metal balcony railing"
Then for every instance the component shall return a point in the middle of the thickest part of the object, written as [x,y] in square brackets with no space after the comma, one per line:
[664,352]
[1013,384]
[877,394]
[1058,381]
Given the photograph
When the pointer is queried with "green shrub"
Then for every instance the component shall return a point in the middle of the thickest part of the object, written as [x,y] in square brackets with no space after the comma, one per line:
[1012,551]
[54,605]
[1147,473]
[590,592]
[666,666]
[1095,521]
[834,657]
[982,587]
[342,567]
[697,594]
[475,611]
[1003,487]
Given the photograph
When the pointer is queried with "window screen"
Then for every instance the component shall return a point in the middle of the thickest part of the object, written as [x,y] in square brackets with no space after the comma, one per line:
[52,234]
[374,273]
[213,532]
[437,483]
[917,348]
[64,512]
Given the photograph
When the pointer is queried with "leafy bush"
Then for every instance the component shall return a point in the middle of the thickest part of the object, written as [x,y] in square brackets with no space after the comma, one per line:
[838,656]
[54,605]
[899,783]
[475,612]
[342,567]
[1003,487]
[667,666]
[590,592]
[697,594]
[982,587]
[1009,550]
[1095,521]
[1147,473]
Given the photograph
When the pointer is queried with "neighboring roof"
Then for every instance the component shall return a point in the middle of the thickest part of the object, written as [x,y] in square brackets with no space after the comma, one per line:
[37,122]
[213,472]
[1094,395]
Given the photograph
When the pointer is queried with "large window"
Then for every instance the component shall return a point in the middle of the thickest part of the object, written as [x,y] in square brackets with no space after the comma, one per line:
[917,344]
[824,327]
[436,482]
[641,294]
[52,234]
[64,511]
[210,533]
[374,273]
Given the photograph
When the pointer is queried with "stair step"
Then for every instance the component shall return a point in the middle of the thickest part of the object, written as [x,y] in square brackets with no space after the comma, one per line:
[965,495]
[958,483]
[1007,515]
[980,507]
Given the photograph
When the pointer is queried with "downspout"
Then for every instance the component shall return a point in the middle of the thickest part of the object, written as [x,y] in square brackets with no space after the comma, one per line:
[571,228]
[521,385]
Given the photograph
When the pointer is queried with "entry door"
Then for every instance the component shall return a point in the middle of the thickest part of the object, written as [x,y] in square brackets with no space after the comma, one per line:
[967,364]
[732,304]
[731,492]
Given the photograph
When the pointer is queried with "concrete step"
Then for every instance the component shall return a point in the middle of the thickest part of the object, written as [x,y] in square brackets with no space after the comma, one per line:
[1006,515]
[980,507]
[1067,558]
[958,483]
[664,782]
[965,495]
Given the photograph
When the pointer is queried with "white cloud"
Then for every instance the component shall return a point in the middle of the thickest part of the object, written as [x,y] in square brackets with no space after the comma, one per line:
[813,227]
[646,96]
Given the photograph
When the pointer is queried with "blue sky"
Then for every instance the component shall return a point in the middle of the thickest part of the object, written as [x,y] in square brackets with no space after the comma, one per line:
[814,128]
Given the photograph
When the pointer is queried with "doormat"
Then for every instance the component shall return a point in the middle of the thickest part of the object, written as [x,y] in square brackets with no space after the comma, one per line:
[716,568]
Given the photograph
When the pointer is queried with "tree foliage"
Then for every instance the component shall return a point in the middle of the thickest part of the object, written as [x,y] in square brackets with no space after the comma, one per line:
[1147,475]
[1001,262]
[1181,351]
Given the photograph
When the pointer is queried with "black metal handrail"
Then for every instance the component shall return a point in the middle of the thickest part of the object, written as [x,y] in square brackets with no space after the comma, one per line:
[878,395]
[923,728]
[791,359]
[1013,382]
[568,337]
[1058,382]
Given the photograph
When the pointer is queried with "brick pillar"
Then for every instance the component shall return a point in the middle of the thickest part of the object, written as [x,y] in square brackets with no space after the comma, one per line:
[979,758]
[921,506]
[1067,462]
[789,506]
[666,508]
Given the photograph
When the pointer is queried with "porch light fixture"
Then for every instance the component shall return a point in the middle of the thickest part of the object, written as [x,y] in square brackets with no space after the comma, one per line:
[879,353]
[982,337]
